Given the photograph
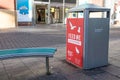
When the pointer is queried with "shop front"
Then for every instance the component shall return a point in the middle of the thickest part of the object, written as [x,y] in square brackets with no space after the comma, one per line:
[32,12]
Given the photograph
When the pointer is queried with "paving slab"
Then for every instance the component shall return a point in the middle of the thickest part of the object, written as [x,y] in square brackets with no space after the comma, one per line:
[52,36]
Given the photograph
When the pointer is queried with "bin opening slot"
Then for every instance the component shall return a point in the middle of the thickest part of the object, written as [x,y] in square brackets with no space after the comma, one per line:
[98,15]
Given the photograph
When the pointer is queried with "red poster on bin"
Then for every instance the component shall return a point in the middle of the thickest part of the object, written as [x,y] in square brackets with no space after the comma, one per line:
[75,36]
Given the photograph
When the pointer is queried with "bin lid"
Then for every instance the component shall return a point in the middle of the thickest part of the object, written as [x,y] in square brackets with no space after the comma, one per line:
[90,7]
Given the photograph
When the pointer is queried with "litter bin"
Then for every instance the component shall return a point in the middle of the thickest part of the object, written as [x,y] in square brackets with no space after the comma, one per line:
[87,38]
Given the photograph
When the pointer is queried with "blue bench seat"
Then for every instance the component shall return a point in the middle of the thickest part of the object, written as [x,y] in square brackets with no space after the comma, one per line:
[29,52]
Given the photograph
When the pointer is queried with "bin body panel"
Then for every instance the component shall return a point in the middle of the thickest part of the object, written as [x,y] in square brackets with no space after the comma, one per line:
[96,51]
[74,41]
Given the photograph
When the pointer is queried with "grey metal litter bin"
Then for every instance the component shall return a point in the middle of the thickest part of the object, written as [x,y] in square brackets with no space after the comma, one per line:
[96,36]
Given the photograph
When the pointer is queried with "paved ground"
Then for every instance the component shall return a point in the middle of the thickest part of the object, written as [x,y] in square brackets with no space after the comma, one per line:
[52,36]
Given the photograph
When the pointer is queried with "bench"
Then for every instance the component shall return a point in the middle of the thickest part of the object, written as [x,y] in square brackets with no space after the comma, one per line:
[29,52]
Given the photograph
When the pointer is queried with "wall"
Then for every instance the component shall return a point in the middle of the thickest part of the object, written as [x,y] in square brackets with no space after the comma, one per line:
[97,2]
[7,19]
[7,14]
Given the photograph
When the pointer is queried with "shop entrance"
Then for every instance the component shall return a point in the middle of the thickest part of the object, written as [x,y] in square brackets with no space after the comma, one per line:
[41,14]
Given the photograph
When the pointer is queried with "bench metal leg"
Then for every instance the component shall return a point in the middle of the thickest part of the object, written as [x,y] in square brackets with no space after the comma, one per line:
[47,66]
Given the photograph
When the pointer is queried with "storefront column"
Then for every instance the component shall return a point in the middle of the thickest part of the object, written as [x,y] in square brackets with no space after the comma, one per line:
[49,13]
[33,13]
[63,11]
[79,2]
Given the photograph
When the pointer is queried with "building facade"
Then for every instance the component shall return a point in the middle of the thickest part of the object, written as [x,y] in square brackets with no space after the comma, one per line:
[15,13]
[114,5]
[7,14]
[31,12]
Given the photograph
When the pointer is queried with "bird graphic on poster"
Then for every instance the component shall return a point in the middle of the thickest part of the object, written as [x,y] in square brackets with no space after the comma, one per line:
[78,29]
[77,50]
[71,26]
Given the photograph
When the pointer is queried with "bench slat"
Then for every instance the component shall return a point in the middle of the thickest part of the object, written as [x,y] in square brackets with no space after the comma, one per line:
[27,52]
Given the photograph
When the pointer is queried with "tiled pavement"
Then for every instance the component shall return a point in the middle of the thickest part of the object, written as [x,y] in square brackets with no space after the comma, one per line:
[51,36]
